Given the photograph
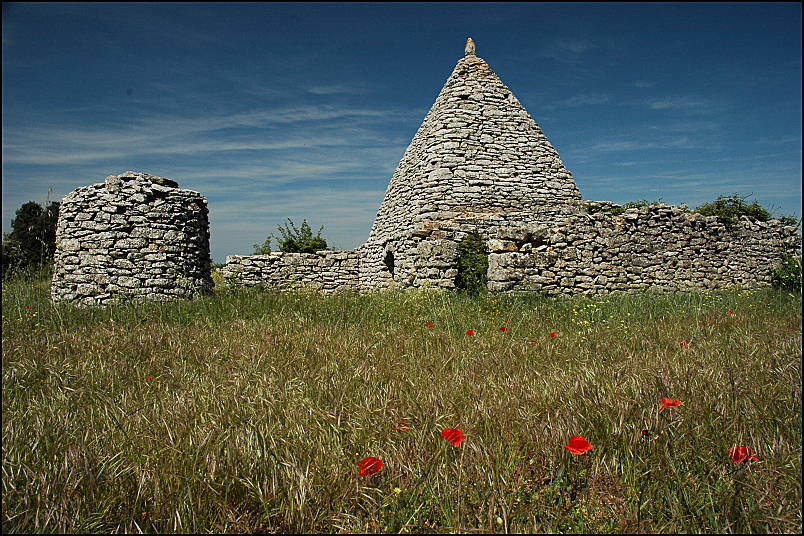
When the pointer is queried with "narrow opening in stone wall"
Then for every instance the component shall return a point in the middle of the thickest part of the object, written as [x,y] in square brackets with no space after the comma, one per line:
[389,261]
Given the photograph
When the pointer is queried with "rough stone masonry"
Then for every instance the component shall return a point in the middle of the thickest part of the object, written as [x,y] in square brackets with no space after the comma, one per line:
[134,236]
[480,163]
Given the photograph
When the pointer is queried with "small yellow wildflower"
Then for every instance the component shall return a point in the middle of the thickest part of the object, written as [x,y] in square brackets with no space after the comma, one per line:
[397,490]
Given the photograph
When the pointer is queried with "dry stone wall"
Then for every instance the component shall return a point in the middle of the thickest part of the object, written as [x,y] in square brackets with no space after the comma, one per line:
[325,271]
[566,250]
[587,250]
[134,236]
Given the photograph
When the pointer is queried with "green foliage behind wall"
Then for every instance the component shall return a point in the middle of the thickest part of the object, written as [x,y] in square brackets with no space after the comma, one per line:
[294,240]
[473,264]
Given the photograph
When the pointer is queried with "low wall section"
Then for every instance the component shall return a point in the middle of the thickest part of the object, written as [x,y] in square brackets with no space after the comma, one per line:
[325,271]
[573,249]
[595,252]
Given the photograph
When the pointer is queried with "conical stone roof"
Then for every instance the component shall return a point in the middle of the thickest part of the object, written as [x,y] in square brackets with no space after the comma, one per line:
[477,151]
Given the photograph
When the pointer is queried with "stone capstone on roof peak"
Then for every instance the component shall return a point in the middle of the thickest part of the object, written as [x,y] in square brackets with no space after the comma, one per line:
[469,49]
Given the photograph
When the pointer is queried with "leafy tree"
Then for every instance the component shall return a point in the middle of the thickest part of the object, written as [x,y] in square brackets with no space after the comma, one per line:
[32,240]
[473,264]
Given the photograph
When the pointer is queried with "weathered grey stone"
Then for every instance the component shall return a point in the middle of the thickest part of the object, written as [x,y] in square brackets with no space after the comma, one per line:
[102,242]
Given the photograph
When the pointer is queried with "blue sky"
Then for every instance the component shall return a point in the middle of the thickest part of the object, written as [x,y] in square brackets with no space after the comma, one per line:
[304,110]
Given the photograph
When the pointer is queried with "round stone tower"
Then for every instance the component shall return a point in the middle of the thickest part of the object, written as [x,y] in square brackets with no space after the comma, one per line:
[134,236]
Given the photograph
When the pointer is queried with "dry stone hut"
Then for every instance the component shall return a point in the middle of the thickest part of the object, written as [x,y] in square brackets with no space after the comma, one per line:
[478,155]
[133,236]
[479,163]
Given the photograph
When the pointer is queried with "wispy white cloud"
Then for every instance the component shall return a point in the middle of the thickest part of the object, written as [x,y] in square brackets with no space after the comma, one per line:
[54,156]
[679,103]
[635,145]
[335,89]
[566,49]
[779,141]
[326,162]
[586,99]
[299,127]
[688,126]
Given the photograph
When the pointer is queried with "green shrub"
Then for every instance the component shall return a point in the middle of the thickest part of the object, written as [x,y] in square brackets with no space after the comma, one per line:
[218,280]
[301,240]
[264,248]
[294,240]
[616,211]
[473,264]
[729,209]
[787,275]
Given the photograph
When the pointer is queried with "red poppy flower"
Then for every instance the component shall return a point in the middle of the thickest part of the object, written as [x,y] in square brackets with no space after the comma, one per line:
[29,306]
[533,342]
[453,435]
[578,445]
[429,324]
[149,378]
[403,425]
[645,433]
[470,332]
[552,334]
[669,403]
[369,465]
[730,312]
[742,454]
[504,329]
[684,344]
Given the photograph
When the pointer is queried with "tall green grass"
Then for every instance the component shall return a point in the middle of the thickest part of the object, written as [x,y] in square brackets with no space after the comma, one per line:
[248,411]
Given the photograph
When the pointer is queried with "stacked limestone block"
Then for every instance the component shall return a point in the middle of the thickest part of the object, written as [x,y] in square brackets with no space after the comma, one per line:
[588,250]
[324,271]
[134,236]
[477,150]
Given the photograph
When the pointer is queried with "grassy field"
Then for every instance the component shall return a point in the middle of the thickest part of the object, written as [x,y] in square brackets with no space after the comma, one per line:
[249,412]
